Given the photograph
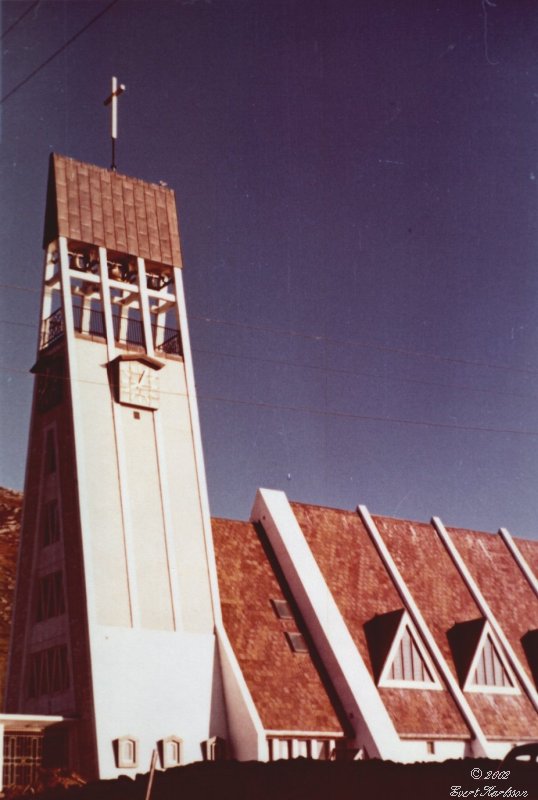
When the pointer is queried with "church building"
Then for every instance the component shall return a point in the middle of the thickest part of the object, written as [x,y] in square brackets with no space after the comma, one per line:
[143,629]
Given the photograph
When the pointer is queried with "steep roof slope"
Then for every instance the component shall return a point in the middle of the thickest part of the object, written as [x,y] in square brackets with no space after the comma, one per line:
[101,207]
[502,584]
[445,601]
[529,551]
[10,516]
[363,591]
[286,686]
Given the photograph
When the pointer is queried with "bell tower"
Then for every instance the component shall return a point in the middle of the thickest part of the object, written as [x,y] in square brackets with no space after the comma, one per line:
[116,594]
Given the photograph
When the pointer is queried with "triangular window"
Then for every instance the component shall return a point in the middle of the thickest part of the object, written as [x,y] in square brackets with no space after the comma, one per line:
[408,664]
[488,670]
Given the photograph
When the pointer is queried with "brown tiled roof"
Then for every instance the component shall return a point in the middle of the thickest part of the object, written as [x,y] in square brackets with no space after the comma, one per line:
[445,601]
[529,551]
[431,577]
[286,687]
[97,206]
[502,583]
[363,589]
[10,514]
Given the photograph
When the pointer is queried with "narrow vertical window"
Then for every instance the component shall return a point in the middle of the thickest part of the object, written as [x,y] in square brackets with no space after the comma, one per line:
[50,596]
[48,672]
[170,751]
[126,752]
[50,523]
[214,749]
[50,453]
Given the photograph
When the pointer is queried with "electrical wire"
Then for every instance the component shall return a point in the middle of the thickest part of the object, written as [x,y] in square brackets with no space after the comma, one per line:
[19,19]
[312,410]
[336,341]
[57,52]
[363,374]
[370,345]
[335,371]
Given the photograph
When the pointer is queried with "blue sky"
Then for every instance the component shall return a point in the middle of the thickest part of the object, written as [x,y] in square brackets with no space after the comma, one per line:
[356,185]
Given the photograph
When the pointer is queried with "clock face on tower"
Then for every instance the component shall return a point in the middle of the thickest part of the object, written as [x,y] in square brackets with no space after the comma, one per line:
[138,384]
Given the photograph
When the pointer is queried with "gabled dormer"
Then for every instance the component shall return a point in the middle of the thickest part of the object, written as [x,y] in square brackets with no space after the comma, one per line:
[481,664]
[399,657]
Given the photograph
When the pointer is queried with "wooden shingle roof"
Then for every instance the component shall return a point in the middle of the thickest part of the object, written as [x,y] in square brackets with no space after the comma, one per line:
[363,590]
[445,601]
[286,687]
[100,207]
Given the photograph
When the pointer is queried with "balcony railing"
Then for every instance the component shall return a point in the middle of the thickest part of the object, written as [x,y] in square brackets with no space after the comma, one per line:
[169,340]
[166,340]
[53,328]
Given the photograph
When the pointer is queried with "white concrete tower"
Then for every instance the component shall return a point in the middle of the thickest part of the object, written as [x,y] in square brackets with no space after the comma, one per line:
[116,594]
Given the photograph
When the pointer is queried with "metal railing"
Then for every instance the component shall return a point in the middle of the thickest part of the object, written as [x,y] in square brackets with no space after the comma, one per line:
[170,341]
[52,329]
[127,331]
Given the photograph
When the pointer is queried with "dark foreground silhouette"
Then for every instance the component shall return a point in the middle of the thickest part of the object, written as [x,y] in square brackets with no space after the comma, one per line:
[302,779]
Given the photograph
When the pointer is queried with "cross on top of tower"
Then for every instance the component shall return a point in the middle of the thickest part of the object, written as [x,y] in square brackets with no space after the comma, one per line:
[112,101]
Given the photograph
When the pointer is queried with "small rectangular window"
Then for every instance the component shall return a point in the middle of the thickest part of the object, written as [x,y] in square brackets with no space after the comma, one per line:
[296,642]
[50,383]
[214,749]
[51,523]
[170,751]
[282,609]
[126,752]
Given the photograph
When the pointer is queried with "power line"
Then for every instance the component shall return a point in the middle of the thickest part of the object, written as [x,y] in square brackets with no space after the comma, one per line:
[336,371]
[368,417]
[369,345]
[363,374]
[333,340]
[22,16]
[317,411]
[57,52]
